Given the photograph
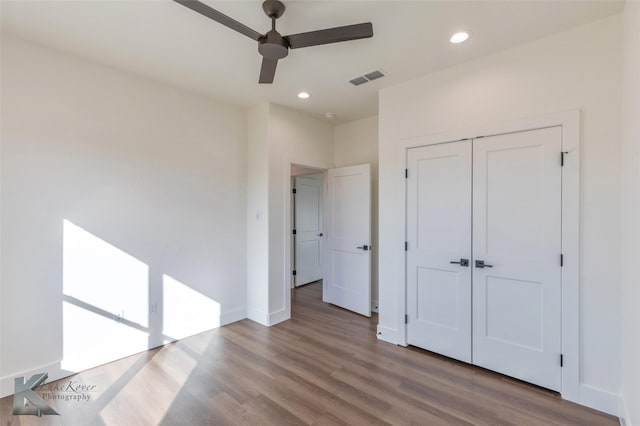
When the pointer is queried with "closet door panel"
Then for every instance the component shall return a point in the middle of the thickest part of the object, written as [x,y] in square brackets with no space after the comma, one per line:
[439,233]
[517,236]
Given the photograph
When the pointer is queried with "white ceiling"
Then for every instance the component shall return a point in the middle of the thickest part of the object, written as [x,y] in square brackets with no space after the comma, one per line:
[168,42]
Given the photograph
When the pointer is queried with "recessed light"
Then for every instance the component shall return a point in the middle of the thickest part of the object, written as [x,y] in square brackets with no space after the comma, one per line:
[460,36]
[330,115]
[303,95]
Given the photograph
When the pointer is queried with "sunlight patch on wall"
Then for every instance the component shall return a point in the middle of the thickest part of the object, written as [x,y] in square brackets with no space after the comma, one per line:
[91,340]
[186,311]
[105,307]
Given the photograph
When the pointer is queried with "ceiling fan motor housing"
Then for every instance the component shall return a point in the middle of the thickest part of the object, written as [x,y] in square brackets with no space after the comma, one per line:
[273,45]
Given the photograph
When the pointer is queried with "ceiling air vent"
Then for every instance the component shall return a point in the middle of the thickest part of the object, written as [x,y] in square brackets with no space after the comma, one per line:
[358,81]
[373,75]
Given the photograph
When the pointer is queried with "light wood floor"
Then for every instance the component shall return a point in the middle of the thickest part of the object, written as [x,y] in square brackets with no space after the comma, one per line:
[323,367]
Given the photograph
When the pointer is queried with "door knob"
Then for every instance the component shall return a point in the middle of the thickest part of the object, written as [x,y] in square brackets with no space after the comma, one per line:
[481,264]
[462,262]
[320,234]
[363,247]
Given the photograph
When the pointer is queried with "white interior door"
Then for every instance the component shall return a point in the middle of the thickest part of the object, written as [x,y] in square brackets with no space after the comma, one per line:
[308,229]
[348,239]
[516,233]
[438,234]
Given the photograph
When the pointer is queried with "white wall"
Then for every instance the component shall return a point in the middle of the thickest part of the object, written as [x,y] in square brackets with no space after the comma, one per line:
[630,214]
[579,68]
[357,143]
[258,213]
[149,178]
[278,138]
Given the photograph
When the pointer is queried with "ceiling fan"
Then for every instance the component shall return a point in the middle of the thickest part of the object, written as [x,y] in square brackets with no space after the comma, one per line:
[273,46]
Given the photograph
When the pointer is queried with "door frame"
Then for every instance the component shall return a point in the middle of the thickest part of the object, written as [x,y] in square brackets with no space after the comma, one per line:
[288,226]
[569,121]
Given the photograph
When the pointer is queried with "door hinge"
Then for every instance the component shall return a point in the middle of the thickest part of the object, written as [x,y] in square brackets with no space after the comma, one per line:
[406,319]
[406,173]
[294,272]
[561,360]
[294,190]
[562,154]
[294,232]
[406,246]
[561,260]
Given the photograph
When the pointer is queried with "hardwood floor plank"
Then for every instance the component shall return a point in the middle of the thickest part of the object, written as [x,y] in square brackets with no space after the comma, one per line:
[329,420]
[322,367]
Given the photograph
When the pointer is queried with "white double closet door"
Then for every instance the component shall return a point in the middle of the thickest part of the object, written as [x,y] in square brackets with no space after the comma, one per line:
[483,259]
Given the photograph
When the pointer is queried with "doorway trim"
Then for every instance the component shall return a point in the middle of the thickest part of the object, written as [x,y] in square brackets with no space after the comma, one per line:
[288,226]
[569,121]
[315,178]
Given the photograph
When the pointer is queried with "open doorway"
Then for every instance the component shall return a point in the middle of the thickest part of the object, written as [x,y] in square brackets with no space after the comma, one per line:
[307,223]
[337,234]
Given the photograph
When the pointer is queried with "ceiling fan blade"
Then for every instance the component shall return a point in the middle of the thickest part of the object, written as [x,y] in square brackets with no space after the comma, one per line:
[330,35]
[221,18]
[268,70]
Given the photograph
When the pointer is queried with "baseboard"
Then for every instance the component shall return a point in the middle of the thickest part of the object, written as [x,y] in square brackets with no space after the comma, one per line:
[267,319]
[54,372]
[233,316]
[625,420]
[258,316]
[600,399]
[278,317]
[374,306]
[389,335]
